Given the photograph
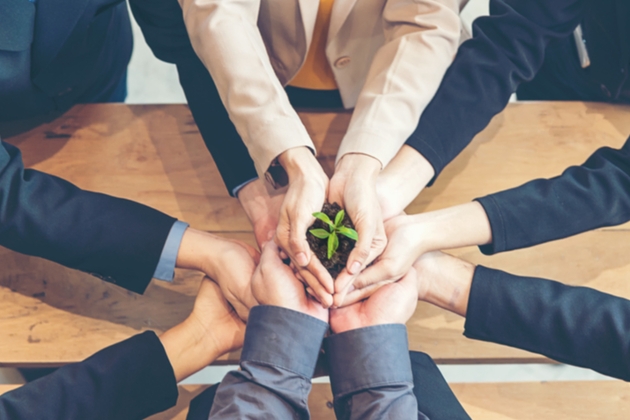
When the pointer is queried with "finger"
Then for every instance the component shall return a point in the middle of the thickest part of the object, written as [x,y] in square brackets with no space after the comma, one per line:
[298,246]
[316,268]
[312,294]
[380,271]
[361,252]
[343,280]
[358,295]
[317,289]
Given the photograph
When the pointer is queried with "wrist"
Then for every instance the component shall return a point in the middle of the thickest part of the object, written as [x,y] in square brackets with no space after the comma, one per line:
[189,348]
[198,251]
[359,165]
[297,161]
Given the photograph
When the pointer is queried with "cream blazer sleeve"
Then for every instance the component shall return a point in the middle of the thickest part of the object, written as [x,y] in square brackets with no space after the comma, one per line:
[225,36]
[421,40]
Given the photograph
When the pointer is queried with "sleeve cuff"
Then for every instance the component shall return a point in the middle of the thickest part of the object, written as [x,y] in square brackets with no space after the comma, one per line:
[367,142]
[165,269]
[283,338]
[240,186]
[367,358]
[481,312]
[497,226]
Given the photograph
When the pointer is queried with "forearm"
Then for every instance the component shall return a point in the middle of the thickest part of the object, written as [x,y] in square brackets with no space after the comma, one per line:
[129,380]
[573,325]
[277,364]
[371,374]
[226,38]
[507,49]
[585,197]
[45,216]
[421,39]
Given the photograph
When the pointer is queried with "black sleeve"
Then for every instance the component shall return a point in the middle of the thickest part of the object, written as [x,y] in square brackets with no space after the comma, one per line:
[163,27]
[585,197]
[507,48]
[118,240]
[129,380]
[574,325]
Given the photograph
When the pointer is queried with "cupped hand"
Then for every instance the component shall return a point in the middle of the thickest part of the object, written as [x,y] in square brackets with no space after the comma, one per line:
[221,324]
[393,303]
[353,187]
[228,262]
[274,283]
[308,186]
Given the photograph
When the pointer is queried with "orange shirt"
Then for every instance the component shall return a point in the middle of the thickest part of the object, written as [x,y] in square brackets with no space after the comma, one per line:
[316,72]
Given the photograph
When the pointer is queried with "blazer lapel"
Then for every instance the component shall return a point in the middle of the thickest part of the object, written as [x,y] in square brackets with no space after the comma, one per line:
[341,10]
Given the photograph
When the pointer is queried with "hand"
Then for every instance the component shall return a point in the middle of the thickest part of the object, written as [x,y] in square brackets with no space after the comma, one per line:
[228,262]
[402,180]
[444,281]
[262,206]
[353,187]
[274,283]
[394,303]
[308,185]
[212,329]
[411,236]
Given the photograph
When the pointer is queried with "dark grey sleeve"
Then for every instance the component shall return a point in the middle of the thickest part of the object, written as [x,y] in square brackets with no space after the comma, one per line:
[277,364]
[584,197]
[574,325]
[370,374]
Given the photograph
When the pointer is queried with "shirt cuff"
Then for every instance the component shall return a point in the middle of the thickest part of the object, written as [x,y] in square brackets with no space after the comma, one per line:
[165,269]
[236,189]
[368,358]
[283,338]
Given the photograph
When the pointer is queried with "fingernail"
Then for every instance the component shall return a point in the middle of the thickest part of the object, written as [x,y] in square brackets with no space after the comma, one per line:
[301,259]
[356,266]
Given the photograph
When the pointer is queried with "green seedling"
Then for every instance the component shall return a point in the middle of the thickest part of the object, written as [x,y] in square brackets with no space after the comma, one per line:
[335,229]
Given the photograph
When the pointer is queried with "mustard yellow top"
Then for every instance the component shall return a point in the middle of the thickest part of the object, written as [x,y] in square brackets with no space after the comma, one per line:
[316,72]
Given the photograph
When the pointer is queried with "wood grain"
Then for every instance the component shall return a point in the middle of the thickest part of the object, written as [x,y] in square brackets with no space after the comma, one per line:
[50,315]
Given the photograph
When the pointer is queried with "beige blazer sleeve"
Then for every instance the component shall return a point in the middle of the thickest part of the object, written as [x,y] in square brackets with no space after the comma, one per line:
[421,40]
[225,36]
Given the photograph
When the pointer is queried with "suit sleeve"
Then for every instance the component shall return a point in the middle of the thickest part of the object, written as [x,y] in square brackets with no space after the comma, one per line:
[115,239]
[129,380]
[370,374]
[592,195]
[421,39]
[162,24]
[574,325]
[277,364]
[507,48]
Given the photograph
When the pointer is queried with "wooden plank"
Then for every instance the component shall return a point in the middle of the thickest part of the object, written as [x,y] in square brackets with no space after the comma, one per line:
[522,401]
[493,401]
[154,154]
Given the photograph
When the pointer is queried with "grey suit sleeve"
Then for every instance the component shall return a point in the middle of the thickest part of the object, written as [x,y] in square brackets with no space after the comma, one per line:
[277,363]
[574,325]
[370,374]
[585,197]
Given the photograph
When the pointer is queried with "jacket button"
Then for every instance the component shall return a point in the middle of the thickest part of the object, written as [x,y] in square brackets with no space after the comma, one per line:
[342,62]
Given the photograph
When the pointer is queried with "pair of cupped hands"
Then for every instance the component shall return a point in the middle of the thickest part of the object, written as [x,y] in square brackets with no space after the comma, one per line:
[374,199]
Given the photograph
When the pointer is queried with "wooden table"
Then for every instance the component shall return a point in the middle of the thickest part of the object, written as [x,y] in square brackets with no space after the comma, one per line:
[50,315]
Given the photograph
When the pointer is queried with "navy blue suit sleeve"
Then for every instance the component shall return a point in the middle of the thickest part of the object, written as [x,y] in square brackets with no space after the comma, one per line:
[115,239]
[163,27]
[574,325]
[592,195]
[507,48]
[129,380]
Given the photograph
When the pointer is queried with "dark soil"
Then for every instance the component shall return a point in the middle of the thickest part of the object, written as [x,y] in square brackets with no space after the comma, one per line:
[339,259]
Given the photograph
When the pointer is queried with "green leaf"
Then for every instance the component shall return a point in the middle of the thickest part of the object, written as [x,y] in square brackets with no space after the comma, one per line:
[350,233]
[319,233]
[324,218]
[339,218]
[333,244]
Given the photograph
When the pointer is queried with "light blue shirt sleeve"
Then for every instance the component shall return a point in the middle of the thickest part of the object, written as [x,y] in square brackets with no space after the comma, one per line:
[165,269]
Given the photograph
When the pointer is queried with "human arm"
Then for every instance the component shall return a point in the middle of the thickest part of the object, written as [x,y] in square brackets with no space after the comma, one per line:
[282,343]
[137,377]
[507,48]
[368,357]
[574,325]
